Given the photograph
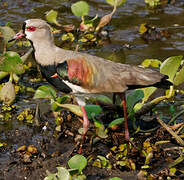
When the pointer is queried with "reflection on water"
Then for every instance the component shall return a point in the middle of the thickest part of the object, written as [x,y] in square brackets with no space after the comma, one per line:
[124,25]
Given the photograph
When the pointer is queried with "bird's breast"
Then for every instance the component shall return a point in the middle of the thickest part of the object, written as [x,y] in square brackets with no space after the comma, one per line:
[47,71]
[76,72]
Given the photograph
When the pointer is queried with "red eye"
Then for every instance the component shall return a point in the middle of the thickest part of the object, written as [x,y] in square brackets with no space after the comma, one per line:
[31,28]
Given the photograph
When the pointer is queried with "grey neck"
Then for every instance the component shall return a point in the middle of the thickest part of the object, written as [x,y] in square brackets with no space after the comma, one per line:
[45,52]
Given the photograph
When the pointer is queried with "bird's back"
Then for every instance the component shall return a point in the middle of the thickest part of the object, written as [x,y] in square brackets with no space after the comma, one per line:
[98,75]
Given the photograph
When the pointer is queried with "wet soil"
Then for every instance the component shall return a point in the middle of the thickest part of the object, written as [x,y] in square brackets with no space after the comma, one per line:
[56,148]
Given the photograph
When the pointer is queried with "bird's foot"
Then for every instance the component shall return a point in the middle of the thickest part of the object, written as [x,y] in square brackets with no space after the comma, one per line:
[127,138]
[82,142]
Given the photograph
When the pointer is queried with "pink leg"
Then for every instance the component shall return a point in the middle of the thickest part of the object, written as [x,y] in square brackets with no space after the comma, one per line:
[85,127]
[127,137]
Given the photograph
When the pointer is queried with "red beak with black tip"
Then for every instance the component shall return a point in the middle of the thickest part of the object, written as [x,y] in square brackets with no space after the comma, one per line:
[19,35]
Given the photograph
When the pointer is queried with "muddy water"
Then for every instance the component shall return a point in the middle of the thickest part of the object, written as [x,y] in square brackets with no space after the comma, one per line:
[123,30]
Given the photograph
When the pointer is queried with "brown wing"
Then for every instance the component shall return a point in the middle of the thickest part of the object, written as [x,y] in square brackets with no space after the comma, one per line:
[98,75]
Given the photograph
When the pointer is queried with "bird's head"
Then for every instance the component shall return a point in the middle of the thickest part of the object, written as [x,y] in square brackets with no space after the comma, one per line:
[34,30]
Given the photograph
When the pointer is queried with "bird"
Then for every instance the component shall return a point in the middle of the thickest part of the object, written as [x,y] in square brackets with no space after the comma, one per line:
[76,72]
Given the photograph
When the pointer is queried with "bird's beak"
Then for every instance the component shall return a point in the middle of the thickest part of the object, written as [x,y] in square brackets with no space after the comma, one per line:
[19,35]
[55,75]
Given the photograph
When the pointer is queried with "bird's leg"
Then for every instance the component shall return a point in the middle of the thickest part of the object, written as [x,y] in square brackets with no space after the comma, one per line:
[85,127]
[127,136]
[123,98]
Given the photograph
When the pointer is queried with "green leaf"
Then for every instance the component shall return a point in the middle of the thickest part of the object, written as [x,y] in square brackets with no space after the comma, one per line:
[51,17]
[80,8]
[68,36]
[133,98]
[45,92]
[60,100]
[153,3]
[142,29]
[116,122]
[77,162]
[100,98]
[114,2]
[100,129]
[151,62]
[51,177]
[63,173]
[115,178]
[104,161]
[92,110]
[72,107]
[148,91]
[7,33]
[11,62]
[170,66]
[179,78]
[79,177]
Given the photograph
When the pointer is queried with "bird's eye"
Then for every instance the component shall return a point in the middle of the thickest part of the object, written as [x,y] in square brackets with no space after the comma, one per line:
[31,28]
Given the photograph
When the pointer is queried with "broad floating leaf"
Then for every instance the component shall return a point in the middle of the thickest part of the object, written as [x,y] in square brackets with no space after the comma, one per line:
[92,110]
[73,108]
[46,92]
[51,17]
[179,78]
[170,66]
[11,62]
[77,162]
[7,93]
[116,2]
[7,33]
[80,8]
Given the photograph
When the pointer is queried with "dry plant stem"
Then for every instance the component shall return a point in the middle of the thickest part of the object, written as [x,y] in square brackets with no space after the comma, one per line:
[178,139]
[178,131]
[37,115]
[177,161]
[106,19]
